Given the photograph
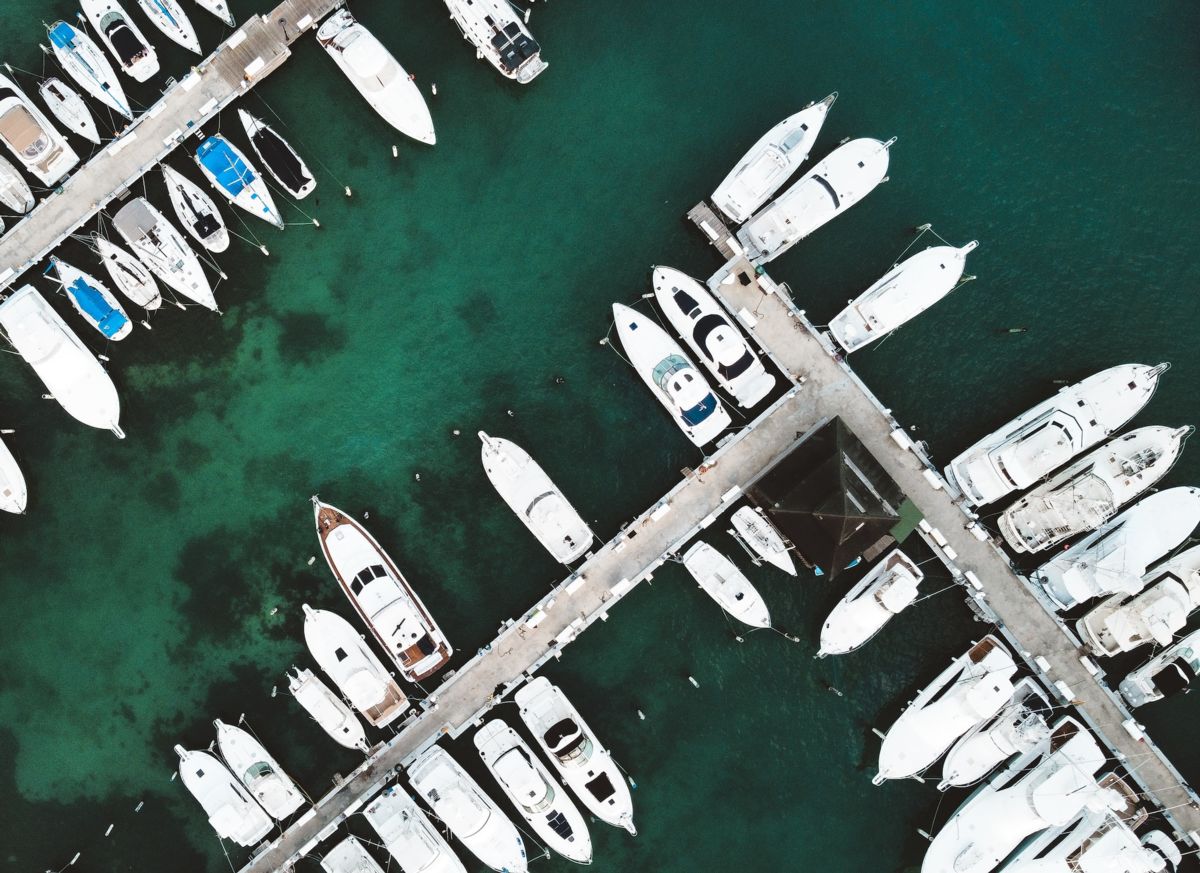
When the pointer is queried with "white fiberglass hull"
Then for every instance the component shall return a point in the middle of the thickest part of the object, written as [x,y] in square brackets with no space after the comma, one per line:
[1018,728]
[218,8]
[196,211]
[1168,672]
[15,193]
[353,667]
[726,584]
[129,275]
[13,492]
[889,587]
[65,365]
[260,773]
[232,813]
[907,290]
[168,16]
[671,376]
[408,835]
[844,177]
[327,710]
[770,162]
[160,247]
[32,139]
[499,35]
[535,499]
[122,37]
[93,301]
[377,75]
[86,64]
[68,107]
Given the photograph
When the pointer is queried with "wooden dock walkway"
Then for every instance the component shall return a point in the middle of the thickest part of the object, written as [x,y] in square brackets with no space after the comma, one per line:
[252,52]
[710,224]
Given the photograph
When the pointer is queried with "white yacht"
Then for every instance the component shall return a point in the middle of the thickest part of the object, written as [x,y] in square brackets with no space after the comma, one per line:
[195,211]
[908,289]
[583,764]
[258,771]
[1171,593]
[1089,492]
[122,37]
[13,493]
[541,801]
[218,8]
[68,107]
[65,365]
[377,75]
[708,331]
[1169,672]
[726,584]
[328,710]
[85,63]
[278,156]
[1033,794]
[1045,437]
[847,175]
[975,687]
[771,161]
[460,804]
[536,500]
[349,856]
[381,595]
[751,527]
[889,587]
[92,300]
[31,137]
[353,667]
[1095,842]
[409,837]
[128,273]
[1018,728]
[1114,558]
[169,17]
[232,813]
[499,35]
[160,247]
[673,378]
[228,170]
[15,193]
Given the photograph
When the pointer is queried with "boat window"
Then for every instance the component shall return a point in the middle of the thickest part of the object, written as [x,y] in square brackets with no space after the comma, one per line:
[340,654]
[426,645]
[559,824]
[379,571]
[685,302]
[793,139]
[741,365]
[701,410]
[257,770]
[601,787]
[356,586]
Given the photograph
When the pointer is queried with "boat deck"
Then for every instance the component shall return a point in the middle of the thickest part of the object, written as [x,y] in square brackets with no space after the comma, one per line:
[257,48]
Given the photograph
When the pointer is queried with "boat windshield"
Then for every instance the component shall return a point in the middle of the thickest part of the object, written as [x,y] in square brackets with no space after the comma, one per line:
[701,410]
[257,771]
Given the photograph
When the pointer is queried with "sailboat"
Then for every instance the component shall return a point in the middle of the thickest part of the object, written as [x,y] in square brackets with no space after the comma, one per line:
[327,710]
[195,211]
[13,492]
[122,37]
[277,155]
[232,813]
[350,856]
[500,35]
[86,64]
[218,8]
[227,169]
[15,193]
[726,584]
[408,835]
[160,247]
[258,771]
[128,273]
[752,528]
[93,301]
[31,137]
[169,17]
[68,107]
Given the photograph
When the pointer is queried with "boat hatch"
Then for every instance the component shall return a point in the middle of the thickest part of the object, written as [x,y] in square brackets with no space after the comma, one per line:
[686,304]
[601,787]
[514,47]
[559,824]
[793,139]
[701,410]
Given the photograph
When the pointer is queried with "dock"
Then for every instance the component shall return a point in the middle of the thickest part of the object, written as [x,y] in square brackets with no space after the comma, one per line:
[252,52]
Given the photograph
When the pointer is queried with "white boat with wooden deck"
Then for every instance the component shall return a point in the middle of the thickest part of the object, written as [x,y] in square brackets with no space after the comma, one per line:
[349,662]
[253,765]
[908,289]
[407,834]
[771,161]
[129,275]
[86,64]
[68,107]
[469,814]
[1020,727]
[327,710]
[583,764]
[1169,672]
[231,811]
[381,595]
[887,589]
[278,156]
[93,301]
[15,193]
[751,527]
[195,210]
[30,136]
[350,856]
[122,37]
[535,499]
[228,170]
[218,8]
[168,16]
[65,365]
[377,75]
[726,584]
[847,175]
[500,35]
[160,247]
[13,492]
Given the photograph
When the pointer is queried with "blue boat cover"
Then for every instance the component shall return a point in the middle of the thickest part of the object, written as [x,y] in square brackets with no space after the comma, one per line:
[230,171]
[94,306]
[62,34]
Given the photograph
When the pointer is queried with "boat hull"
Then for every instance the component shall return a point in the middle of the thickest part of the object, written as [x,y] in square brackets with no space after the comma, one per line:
[727,585]
[14,494]
[70,110]
[196,211]
[129,275]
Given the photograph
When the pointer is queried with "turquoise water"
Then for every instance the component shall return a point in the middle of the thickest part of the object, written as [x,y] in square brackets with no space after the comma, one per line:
[156,583]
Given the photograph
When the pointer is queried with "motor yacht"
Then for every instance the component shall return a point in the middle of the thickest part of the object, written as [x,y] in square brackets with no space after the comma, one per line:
[889,587]
[15,193]
[328,710]
[500,36]
[231,811]
[264,779]
[1168,673]
[1020,727]
[410,839]
[350,856]
[31,137]
[13,492]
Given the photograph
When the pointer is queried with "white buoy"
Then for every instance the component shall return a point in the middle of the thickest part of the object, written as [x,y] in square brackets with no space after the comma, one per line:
[138,808]
[47,396]
[103,358]
[312,560]
[264,250]
[180,305]
[146,324]
[274,610]
[274,690]
[76,858]
[349,193]
[641,715]
[395,152]
[692,679]
[316,223]
[433,88]
[6,431]
[527,12]
[223,274]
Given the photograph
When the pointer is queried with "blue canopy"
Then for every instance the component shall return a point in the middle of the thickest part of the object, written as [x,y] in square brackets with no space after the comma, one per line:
[229,170]
[62,34]
[94,306]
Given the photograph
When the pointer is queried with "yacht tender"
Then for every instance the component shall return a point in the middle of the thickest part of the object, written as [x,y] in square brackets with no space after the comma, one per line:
[195,211]
[85,63]
[771,161]
[500,35]
[1169,672]
[381,595]
[328,710]
[232,813]
[122,37]
[13,493]
[160,247]
[889,587]
[169,17]
[409,837]
[68,107]
[536,500]
[92,299]
[277,155]
[31,137]
[227,170]
[15,193]
[751,526]
[128,273]
[1018,728]
[1045,437]
[726,584]
[258,771]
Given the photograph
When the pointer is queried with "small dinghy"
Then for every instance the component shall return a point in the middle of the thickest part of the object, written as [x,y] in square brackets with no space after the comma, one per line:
[280,159]
[128,273]
[68,107]
[121,36]
[15,193]
[168,17]
[753,529]
[195,211]
[726,584]
[86,64]
[230,173]
[13,493]
[162,248]
[218,8]
[93,301]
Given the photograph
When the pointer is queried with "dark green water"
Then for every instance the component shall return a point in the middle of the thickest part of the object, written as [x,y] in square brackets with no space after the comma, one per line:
[458,282]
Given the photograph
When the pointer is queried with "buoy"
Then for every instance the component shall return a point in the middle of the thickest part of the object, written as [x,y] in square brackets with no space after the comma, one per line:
[109,831]
[7,430]
[47,396]
[349,193]
[692,679]
[433,88]
[527,11]
[146,324]
[604,341]
[417,477]
[312,560]
[180,305]
[274,610]
[316,223]
[456,432]
[76,858]
[274,691]
[395,152]
[641,715]
[264,250]
[878,733]
[510,413]
[138,808]
[103,358]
